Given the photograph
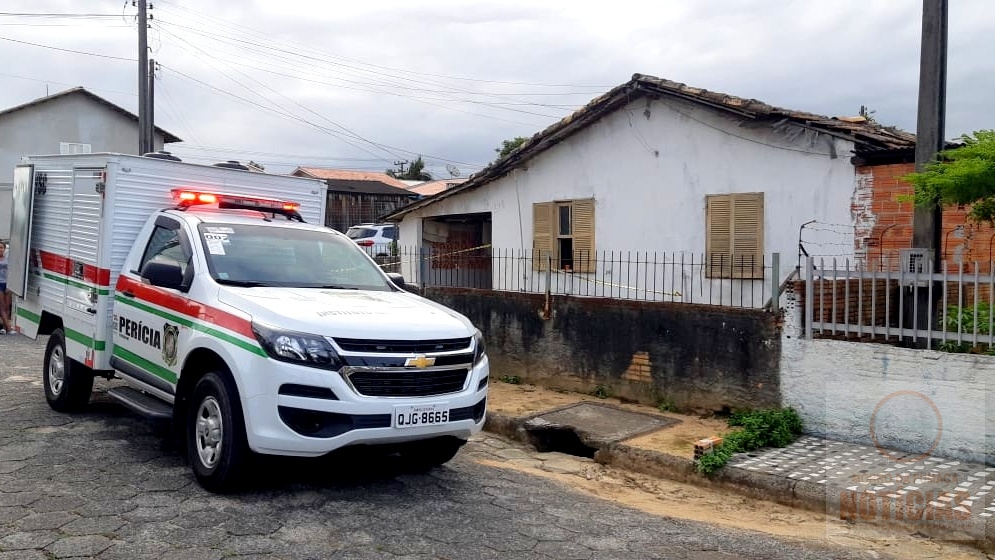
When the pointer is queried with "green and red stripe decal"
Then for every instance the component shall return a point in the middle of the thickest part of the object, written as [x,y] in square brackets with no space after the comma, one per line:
[67,267]
[186,312]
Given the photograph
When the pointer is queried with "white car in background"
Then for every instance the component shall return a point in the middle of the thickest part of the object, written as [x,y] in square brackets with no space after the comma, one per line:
[375,239]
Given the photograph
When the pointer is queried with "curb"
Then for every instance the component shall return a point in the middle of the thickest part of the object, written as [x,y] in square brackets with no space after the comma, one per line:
[761,486]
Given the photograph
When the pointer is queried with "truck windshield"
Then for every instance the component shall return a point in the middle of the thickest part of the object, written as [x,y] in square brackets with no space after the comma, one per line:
[257,255]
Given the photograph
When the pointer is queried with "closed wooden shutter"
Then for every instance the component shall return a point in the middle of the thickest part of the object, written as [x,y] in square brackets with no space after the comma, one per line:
[747,235]
[542,234]
[734,235]
[718,235]
[584,258]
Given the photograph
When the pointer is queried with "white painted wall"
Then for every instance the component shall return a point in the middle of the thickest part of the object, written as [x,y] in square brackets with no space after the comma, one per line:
[836,387]
[649,176]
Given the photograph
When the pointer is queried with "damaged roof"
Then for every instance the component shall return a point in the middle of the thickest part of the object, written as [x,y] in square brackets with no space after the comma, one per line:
[868,136]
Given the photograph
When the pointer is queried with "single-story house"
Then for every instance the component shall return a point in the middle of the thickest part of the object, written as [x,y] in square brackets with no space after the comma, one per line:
[358,197]
[705,186]
[68,122]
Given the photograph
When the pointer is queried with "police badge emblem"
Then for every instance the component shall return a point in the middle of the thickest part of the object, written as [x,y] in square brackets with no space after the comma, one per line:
[169,336]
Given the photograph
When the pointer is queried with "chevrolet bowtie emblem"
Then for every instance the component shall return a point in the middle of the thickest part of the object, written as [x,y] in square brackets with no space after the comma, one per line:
[420,361]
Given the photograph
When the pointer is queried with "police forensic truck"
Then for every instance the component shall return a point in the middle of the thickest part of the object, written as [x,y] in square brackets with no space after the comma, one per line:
[224,306]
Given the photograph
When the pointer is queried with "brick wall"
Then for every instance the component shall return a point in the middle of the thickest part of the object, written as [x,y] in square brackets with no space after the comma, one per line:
[879,290]
[883,225]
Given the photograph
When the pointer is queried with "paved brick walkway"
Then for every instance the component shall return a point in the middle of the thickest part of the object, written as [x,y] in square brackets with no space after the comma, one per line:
[864,482]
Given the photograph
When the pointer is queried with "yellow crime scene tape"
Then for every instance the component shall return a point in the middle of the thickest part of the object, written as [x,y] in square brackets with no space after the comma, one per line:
[574,275]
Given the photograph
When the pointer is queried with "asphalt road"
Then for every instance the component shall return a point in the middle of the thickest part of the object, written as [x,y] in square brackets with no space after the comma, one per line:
[106,484]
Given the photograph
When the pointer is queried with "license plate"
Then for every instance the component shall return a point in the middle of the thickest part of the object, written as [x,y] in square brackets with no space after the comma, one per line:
[420,415]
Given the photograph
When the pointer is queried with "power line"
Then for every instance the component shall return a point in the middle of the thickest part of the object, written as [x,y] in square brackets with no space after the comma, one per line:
[69,50]
[393,83]
[357,136]
[232,26]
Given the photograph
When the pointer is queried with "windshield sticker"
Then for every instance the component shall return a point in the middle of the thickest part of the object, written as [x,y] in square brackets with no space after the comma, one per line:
[215,247]
[220,229]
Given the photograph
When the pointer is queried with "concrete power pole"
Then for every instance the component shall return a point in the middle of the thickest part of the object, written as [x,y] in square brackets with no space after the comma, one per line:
[150,119]
[927,223]
[143,81]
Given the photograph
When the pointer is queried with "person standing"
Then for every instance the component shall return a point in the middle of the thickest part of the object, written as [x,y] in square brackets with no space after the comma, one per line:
[4,295]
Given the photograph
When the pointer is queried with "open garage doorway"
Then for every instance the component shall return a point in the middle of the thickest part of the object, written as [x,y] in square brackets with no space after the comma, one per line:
[456,251]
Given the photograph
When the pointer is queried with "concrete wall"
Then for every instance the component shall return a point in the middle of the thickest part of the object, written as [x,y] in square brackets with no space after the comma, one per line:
[37,130]
[702,358]
[649,166]
[917,401]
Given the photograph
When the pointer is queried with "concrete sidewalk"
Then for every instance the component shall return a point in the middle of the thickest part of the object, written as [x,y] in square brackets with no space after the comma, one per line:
[926,496]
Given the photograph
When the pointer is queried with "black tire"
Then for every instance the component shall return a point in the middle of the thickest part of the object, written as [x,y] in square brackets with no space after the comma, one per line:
[426,455]
[68,383]
[216,442]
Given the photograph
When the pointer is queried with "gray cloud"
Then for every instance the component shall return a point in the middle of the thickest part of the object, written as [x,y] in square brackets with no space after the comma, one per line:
[385,69]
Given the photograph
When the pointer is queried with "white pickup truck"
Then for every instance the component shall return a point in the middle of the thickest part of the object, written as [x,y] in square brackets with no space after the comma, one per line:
[226,311]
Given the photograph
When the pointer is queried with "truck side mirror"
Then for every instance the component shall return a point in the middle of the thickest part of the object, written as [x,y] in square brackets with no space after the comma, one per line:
[163,275]
[398,280]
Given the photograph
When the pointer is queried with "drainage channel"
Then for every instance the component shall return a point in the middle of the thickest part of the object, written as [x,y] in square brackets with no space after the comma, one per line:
[561,439]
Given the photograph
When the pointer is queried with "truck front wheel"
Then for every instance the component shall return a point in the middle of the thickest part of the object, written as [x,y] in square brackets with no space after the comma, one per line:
[68,384]
[216,441]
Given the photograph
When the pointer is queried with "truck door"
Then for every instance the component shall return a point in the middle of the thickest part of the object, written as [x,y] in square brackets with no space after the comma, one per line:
[84,280]
[146,331]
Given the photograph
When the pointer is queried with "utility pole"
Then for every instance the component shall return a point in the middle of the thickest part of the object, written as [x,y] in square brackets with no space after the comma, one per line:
[150,119]
[143,82]
[927,223]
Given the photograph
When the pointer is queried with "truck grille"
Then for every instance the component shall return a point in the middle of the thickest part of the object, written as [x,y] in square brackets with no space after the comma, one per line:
[402,346]
[414,383]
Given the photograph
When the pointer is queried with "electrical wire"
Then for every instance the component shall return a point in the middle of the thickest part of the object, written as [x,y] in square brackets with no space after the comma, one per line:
[297,47]
[390,83]
[69,50]
[337,125]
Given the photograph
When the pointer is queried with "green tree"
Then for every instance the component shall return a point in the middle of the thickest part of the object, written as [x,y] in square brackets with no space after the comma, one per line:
[964,175]
[508,146]
[416,172]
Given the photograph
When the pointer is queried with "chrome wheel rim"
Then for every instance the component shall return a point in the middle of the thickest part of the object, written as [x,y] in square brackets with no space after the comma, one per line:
[56,370]
[210,431]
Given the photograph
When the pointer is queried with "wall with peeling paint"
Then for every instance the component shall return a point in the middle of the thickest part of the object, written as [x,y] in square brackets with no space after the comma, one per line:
[702,358]
[649,166]
[883,223]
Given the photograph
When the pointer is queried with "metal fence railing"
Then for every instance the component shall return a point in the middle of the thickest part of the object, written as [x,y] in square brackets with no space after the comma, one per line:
[729,280]
[952,309]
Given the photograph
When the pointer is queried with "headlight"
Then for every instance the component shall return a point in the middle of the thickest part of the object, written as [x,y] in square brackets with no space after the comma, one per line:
[297,348]
[478,347]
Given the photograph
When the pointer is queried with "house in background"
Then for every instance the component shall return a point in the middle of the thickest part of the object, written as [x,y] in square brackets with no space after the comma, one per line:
[72,121]
[358,197]
[705,185]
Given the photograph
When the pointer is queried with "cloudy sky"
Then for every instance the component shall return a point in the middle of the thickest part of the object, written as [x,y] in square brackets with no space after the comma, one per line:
[360,85]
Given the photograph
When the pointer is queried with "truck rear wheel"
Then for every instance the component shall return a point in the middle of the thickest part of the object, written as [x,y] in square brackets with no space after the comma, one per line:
[68,384]
[216,440]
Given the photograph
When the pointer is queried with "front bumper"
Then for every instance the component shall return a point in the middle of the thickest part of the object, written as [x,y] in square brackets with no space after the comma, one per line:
[301,411]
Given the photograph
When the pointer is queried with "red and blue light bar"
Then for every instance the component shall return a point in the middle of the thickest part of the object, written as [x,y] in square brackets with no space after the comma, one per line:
[191,197]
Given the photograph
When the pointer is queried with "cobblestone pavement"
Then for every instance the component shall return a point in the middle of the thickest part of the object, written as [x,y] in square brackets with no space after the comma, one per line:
[105,484]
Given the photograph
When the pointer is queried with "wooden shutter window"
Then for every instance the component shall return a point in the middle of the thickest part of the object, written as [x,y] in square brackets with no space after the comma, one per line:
[583,235]
[734,236]
[718,235]
[542,234]
[747,236]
